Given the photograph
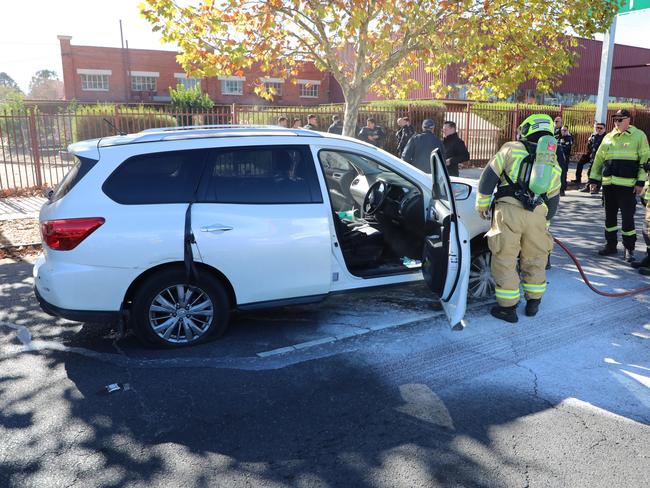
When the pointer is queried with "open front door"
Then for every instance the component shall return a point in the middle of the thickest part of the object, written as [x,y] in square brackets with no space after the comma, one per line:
[446,260]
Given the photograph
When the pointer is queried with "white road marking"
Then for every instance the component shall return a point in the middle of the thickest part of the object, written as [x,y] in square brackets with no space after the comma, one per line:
[346,335]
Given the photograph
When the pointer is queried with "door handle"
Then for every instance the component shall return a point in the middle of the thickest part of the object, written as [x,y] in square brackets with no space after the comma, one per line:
[216,228]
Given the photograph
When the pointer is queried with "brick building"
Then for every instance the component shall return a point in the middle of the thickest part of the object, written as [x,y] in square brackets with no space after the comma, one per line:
[106,74]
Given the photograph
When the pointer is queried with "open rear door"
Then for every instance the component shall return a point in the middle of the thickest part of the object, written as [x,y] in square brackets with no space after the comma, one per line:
[446,259]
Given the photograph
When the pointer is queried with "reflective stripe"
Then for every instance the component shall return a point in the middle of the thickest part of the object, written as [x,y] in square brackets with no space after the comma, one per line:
[628,232]
[607,180]
[483,201]
[507,294]
[514,171]
[535,288]
[616,180]
[611,229]
[498,162]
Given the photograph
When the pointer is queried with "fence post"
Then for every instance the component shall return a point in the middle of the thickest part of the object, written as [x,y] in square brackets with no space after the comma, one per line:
[36,150]
[515,123]
[233,114]
[468,107]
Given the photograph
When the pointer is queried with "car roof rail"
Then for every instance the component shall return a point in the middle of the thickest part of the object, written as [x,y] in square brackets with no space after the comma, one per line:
[204,132]
[212,126]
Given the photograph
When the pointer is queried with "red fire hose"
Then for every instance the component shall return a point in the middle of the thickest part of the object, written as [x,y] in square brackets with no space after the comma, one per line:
[628,293]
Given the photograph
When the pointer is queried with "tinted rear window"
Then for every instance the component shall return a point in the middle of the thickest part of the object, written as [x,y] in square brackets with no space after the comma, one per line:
[74,176]
[165,177]
[258,175]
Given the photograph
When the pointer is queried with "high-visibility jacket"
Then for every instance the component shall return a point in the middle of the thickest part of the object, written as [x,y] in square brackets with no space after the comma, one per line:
[620,158]
[508,162]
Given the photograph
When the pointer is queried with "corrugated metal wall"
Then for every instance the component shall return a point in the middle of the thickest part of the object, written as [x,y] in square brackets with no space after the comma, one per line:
[582,79]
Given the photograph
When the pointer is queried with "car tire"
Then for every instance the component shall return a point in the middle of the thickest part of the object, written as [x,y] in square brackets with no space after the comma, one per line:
[481,283]
[169,313]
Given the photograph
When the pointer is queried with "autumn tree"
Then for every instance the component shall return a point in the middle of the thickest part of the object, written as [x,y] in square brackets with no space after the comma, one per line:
[45,85]
[7,81]
[374,45]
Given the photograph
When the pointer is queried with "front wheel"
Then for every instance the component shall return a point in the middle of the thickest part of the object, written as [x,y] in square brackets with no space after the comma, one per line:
[481,283]
[168,312]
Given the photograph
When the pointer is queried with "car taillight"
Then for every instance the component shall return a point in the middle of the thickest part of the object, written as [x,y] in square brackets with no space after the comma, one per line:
[66,234]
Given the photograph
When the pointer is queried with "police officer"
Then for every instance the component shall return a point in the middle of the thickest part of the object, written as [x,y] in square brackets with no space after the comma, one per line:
[372,133]
[419,148]
[619,165]
[519,221]
[404,134]
[593,144]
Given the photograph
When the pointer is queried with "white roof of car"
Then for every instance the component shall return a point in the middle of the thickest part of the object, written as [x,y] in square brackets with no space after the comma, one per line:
[92,146]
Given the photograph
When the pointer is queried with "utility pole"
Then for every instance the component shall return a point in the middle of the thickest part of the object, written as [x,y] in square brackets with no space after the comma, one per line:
[605,78]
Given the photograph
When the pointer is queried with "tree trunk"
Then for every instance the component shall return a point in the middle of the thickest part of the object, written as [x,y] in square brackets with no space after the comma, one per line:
[353,98]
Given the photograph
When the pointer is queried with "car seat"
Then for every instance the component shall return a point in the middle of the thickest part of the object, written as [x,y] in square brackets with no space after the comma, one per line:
[361,244]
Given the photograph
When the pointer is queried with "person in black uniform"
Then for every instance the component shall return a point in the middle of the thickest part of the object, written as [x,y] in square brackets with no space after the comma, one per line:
[455,149]
[588,158]
[404,134]
[419,148]
[372,133]
[337,125]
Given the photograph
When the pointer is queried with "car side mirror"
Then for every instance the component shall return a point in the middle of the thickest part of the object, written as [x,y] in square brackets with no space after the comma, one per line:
[462,191]
[48,193]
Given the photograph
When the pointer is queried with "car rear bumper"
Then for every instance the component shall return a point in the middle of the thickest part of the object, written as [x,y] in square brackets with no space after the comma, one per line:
[76,315]
[80,292]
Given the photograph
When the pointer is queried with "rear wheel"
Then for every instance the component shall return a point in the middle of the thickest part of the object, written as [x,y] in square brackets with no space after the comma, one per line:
[481,282]
[168,312]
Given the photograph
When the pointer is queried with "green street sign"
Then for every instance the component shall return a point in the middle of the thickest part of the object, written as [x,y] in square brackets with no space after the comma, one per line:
[633,5]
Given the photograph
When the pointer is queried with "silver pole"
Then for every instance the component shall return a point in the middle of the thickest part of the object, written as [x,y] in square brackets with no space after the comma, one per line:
[605,77]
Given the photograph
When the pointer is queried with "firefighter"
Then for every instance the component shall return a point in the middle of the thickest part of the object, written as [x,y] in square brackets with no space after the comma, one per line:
[619,165]
[522,207]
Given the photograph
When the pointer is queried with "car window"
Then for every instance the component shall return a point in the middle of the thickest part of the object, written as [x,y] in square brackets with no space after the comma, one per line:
[365,166]
[332,160]
[440,190]
[259,175]
[165,177]
[78,171]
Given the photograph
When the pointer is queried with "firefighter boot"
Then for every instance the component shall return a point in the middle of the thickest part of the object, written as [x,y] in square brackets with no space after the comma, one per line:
[532,306]
[629,256]
[509,314]
[608,250]
[644,263]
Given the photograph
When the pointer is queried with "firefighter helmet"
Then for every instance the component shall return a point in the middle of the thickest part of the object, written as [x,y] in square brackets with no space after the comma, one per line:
[535,123]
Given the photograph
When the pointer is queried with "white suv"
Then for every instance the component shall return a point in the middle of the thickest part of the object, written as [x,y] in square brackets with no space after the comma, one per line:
[174,228]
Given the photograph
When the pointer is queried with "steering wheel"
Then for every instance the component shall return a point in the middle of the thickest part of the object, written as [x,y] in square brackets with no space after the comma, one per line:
[375,197]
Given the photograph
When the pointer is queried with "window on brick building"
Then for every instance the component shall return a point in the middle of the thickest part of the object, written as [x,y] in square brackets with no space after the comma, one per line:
[94,82]
[274,87]
[188,83]
[309,88]
[232,85]
[143,83]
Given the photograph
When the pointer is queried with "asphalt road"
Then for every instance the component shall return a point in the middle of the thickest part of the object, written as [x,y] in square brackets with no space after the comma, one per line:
[364,390]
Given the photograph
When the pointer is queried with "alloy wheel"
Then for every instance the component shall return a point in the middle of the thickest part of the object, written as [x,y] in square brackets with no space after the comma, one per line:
[481,282]
[181,314]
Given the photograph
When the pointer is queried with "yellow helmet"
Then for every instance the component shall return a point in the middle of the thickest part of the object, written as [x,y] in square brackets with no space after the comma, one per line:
[535,123]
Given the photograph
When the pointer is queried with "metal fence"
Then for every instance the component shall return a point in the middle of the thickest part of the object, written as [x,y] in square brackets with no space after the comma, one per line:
[33,144]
